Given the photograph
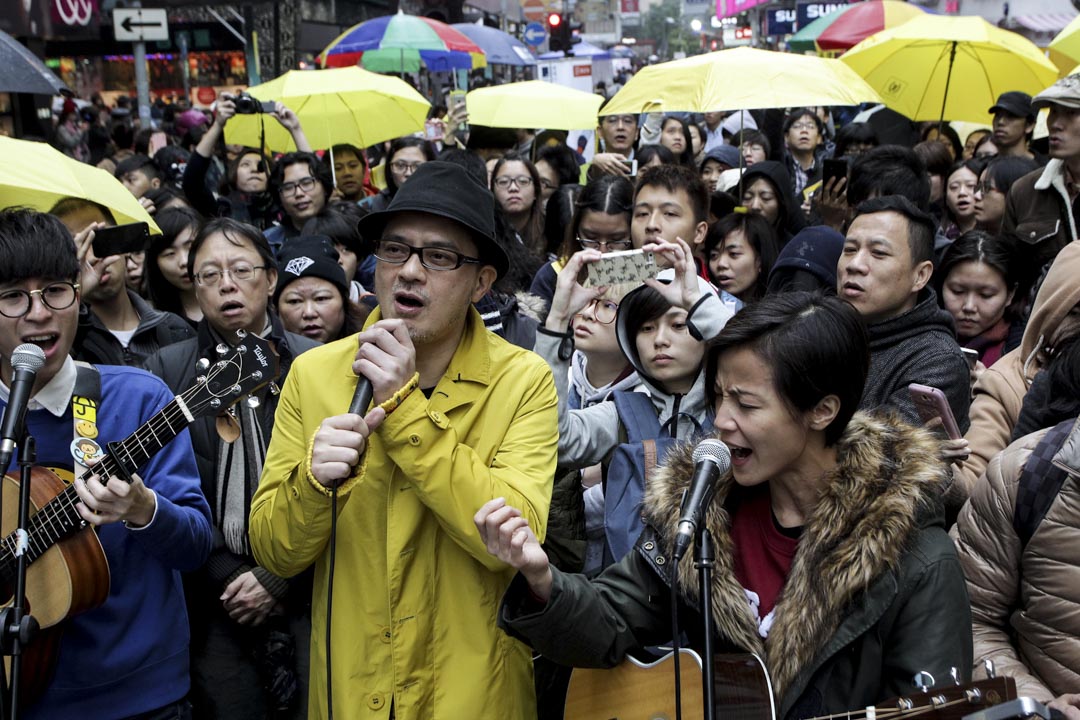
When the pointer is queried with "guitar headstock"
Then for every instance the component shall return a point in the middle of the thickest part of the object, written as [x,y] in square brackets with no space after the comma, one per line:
[239,370]
[950,702]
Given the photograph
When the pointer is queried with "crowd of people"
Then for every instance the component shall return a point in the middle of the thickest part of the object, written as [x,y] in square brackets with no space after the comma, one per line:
[505,508]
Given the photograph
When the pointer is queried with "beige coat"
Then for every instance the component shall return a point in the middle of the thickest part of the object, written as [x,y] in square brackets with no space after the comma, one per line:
[1025,605]
[1000,391]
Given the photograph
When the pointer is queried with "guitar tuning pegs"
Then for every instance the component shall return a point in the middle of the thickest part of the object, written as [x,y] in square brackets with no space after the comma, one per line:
[923,680]
[991,671]
[955,675]
[252,402]
[236,390]
[222,349]
[203,365]
[215,403]
[241,333]
[257,375]
[241,349]
[274,389]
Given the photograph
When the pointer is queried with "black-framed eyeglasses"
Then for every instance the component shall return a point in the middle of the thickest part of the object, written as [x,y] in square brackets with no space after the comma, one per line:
[239,273]
[522,181]
[55,296]
[433,258]
[306,184]
[402,167]
[604,245]
[603,311]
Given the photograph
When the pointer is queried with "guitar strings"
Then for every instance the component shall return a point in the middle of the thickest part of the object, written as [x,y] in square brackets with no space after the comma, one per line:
[62,507]
[892,712]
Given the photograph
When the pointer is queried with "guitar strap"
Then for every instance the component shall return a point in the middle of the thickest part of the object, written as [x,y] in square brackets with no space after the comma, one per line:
[85,402]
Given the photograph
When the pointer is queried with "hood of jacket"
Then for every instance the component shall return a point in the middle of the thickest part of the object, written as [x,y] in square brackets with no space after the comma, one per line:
[694,403]
[887,484]
[926,315]
[1058,294]
[589,394]
[789,218]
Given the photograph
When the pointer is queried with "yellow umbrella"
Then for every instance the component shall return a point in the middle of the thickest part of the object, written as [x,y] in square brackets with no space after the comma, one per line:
[338,105]
[37,175]
[1064,49]
[936,67]
[533,104]
[741,78]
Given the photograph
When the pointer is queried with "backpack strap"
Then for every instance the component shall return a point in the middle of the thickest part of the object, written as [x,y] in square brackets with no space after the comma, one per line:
[637,415]
[1040,481]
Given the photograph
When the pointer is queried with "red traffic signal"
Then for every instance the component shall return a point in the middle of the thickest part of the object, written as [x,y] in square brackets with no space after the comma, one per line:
[554,20]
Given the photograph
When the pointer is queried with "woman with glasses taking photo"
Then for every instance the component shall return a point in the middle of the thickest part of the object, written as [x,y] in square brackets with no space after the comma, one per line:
[406,154]
[601,222]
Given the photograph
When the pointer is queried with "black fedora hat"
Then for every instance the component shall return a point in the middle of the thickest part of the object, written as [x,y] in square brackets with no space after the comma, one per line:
[446,190]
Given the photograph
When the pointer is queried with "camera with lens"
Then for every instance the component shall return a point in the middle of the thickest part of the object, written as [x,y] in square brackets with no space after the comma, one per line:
[247,105]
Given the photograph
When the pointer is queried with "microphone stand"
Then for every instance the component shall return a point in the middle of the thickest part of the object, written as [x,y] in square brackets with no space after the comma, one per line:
[17,627]
[704,561]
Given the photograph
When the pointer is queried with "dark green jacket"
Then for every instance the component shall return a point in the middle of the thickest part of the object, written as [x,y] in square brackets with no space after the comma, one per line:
[875,594]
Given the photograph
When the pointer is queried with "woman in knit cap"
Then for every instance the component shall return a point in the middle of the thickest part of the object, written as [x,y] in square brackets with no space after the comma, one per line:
[312,297]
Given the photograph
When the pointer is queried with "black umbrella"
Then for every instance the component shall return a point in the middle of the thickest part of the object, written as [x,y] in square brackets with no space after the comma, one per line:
[23,72]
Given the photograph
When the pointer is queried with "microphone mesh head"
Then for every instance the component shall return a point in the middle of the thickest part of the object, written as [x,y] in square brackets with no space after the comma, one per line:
[28,357]
[714,451]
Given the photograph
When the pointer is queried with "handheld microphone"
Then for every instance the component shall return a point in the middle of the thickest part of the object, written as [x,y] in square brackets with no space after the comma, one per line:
[362,397]
[26,360]
[711,460]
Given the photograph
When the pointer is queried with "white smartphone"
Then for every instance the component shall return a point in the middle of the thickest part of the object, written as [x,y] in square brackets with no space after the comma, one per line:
[627,266]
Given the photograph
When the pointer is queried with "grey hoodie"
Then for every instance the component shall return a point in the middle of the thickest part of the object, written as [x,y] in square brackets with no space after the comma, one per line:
[587,435]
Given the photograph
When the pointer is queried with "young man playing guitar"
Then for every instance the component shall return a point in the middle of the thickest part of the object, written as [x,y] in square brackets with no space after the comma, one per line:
[127,658]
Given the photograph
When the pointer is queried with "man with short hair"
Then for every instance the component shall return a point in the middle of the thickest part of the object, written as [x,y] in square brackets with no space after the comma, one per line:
[460,414]
[883,272]
[238,607]
[304,185]
[138,174]
[615,139]
[116,325]
[128,657]
[1041,208]
[884,170]
[1014,122]
[803,135]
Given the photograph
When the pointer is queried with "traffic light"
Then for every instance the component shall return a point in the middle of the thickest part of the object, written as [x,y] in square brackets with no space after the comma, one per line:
[556,28]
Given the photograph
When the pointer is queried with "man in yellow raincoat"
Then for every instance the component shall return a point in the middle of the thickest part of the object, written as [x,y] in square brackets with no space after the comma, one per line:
[459,416]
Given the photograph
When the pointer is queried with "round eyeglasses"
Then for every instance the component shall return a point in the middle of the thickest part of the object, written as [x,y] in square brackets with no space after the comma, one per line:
[55,296]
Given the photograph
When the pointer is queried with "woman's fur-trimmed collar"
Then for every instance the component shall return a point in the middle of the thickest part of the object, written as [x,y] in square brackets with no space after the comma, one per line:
[888,476]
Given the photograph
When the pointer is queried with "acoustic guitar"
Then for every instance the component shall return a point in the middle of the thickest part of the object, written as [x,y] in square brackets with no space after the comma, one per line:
[645,691]
[68,572]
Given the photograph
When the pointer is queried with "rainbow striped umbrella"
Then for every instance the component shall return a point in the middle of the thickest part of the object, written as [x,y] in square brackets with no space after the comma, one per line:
[846,27]
[403,43]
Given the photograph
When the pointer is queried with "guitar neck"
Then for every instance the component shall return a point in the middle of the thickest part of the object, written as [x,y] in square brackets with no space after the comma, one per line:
[58,518]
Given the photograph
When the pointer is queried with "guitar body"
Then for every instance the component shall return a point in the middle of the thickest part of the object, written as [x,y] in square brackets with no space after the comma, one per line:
[70,577]
[636,690]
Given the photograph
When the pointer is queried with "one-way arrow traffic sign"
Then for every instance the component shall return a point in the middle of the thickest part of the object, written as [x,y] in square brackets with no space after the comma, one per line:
[136,24]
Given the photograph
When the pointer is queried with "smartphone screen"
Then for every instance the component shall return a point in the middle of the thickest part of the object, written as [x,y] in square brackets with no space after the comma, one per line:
[121,239]
[833,169]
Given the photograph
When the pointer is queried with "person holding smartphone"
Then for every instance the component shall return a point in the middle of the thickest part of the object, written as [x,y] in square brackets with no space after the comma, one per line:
[616,138]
